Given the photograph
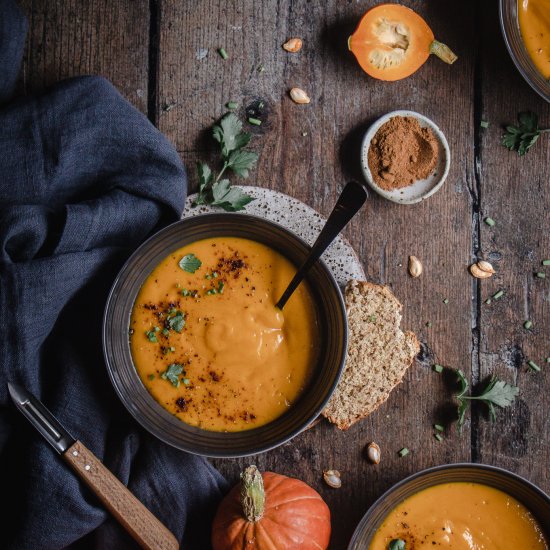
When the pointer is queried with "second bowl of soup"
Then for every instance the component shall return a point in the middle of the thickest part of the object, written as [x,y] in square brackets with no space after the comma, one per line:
[196,348]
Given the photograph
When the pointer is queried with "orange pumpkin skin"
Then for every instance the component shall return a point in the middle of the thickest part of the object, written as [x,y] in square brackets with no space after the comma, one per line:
[295,518]
[392,42]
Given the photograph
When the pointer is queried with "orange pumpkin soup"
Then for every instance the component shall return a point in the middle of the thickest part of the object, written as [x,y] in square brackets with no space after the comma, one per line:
[208,342]
[534,24]
[461,516]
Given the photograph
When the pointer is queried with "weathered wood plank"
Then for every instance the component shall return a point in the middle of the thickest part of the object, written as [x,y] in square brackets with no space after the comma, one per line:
[514,192]
[71,38]
[313,168]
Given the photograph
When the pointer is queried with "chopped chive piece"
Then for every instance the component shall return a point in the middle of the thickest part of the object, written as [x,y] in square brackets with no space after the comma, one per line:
[488,301]
[151,377]
[484,124]
[304,134]
[438,437]
[429,324]
[446,301]
[172,349]
[489,221]
[403,452]
[213,291]
[527,325]
[223,53]
[208,276]
[165,332]
[186,381]
[498,295]
[156,329]
[177,285]
[548,359]
[545,262]
[439,427]
[540,275]
[185,292]
[372,318]
[172,311]
[231,105]
[152,336]
[255,121]
[533,366]
[438,368]
[221,286]
[261,69]
[215,274]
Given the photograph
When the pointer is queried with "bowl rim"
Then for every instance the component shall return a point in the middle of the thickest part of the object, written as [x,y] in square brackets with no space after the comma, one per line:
[365,145]
[521,69]
[434,469]
[258,448]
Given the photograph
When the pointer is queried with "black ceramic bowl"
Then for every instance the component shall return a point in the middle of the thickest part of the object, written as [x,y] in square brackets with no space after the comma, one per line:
[535,500]
[331,317]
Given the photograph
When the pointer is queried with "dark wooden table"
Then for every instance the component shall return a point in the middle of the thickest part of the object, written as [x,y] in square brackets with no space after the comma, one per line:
[162,56]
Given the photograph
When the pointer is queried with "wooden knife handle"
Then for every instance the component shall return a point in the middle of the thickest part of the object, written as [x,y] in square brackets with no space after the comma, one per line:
[140,523]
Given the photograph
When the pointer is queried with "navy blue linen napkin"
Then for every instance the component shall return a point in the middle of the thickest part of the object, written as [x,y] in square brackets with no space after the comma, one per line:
[84,178]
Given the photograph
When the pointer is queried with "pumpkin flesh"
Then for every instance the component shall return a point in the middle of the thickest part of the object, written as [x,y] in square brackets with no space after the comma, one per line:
[392,42]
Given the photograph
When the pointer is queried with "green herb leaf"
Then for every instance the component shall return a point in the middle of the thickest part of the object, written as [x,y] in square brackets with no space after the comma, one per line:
[229,135]
[171,374]
[397,544]
[177,322]
[205,183]
[242,161]
[190,263]
[522,137]
[152,336]
[231,199]
[497,392]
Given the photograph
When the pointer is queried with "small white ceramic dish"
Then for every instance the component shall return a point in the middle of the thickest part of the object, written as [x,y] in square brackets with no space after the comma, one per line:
[421,189]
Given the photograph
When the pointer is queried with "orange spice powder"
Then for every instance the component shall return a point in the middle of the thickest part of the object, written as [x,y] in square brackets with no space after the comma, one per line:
[401,153]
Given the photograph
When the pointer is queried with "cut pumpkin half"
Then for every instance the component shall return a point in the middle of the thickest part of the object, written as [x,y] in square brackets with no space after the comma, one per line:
[392,42]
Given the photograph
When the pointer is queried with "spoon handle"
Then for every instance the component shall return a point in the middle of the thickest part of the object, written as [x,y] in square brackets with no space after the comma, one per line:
[349,202]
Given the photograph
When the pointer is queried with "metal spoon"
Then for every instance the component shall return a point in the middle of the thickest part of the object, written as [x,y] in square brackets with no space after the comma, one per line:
[349,203]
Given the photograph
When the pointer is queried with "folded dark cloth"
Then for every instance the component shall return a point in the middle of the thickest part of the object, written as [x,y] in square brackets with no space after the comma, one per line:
[84,178]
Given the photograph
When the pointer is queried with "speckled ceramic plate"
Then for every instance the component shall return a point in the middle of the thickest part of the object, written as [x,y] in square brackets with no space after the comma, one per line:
[299,218]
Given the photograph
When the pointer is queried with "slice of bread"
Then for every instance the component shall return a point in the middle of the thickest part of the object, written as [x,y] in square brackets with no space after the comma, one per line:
[379,353]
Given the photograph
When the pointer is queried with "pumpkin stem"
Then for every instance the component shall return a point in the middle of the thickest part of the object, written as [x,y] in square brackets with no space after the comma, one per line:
[252,494]
[443,52]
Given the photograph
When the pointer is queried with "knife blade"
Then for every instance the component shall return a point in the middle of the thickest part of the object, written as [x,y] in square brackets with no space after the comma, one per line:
[141,524]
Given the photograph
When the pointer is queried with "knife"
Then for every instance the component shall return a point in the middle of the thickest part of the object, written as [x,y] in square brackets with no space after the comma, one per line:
[138,521]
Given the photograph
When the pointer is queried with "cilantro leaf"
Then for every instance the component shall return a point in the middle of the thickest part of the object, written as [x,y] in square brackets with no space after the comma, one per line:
[177,322]
[229,134]
[205,183]
[498,392]
[397,544]
[522,137]
[231,199]
[171,374]
[242,161]
[190,263]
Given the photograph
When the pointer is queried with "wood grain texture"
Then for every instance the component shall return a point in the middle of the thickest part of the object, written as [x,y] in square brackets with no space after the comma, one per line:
[514,192]
[73,38]
[138,521]
[314,168]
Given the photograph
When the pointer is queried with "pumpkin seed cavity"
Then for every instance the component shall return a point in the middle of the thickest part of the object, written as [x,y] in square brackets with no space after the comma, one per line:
[394,38]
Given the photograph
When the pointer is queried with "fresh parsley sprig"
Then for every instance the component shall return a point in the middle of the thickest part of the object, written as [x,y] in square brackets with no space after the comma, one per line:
[497,393]
[216,191]
[522,137]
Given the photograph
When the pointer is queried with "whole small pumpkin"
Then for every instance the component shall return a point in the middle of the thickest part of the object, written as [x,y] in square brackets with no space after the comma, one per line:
[271,512]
